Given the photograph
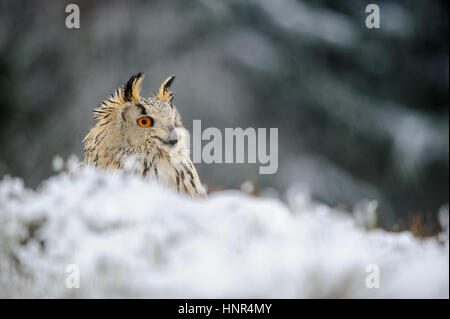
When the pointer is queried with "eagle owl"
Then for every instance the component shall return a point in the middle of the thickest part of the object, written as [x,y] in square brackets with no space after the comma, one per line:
[145,135]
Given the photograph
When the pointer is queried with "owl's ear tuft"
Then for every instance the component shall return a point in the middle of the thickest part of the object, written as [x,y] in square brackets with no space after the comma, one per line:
[164,90]
[132,88]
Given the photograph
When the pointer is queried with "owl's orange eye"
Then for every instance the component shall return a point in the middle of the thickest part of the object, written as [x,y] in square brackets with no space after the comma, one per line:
[145,121]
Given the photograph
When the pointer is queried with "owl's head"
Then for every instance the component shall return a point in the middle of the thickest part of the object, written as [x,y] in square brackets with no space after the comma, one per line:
[136,124]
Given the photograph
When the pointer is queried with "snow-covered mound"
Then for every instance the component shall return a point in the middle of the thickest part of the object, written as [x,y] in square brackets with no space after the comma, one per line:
[131,238]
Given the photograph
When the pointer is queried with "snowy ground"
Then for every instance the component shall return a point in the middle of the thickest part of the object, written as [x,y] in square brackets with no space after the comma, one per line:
[131,238]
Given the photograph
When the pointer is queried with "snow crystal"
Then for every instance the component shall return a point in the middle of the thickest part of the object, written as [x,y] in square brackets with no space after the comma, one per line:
[132,238]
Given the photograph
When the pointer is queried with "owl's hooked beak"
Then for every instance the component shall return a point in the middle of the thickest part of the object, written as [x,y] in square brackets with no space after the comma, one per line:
[173,138]
[178,137]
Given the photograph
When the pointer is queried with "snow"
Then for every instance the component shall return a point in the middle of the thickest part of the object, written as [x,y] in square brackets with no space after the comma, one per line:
[132,238]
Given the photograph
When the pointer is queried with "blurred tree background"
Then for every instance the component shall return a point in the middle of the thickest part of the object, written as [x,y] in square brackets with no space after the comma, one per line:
[362,113]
